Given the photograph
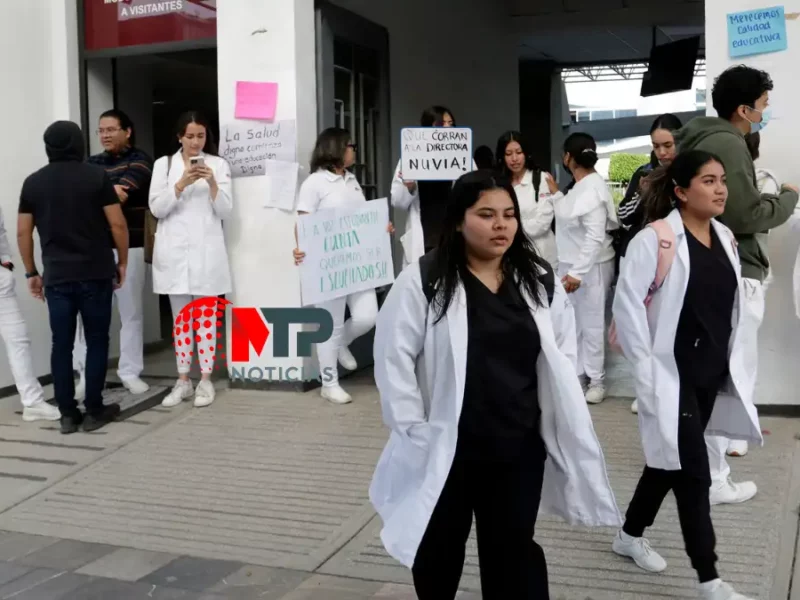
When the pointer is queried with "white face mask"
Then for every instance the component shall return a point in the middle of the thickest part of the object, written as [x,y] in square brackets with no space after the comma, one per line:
[766,115]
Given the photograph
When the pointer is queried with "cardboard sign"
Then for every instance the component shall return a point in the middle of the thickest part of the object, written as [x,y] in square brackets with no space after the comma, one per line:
[435,153]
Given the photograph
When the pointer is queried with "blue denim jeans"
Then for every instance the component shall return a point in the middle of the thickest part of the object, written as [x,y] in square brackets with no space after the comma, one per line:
[65,301]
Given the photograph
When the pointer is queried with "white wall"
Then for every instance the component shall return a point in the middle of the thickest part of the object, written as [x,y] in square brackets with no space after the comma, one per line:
[779,343]
[459,53]
[36,91]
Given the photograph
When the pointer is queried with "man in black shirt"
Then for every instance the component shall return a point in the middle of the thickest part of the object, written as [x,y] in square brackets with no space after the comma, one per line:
[73,205]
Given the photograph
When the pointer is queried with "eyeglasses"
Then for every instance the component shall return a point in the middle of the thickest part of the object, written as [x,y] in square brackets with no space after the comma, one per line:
[353,146]
[108,131]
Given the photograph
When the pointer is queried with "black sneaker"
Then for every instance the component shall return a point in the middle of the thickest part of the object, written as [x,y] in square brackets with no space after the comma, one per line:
[71,423]
[95,422]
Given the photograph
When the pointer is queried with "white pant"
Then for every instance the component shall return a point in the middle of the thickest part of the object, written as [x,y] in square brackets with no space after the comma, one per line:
[207,333]
[753,315]
[18,344]
[363,314]
[589,302]
[130,304]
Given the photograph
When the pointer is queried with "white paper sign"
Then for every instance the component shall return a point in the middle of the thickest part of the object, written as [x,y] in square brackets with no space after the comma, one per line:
[283,184]
[347,250]
[247,145]
[435,153]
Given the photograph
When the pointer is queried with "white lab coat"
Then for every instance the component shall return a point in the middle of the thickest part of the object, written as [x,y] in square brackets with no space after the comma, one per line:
[420,370]
[537,215]
[189,256]
[413,240]
[647,337]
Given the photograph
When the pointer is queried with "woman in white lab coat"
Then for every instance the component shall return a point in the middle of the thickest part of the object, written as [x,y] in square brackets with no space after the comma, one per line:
[475,429]
[425,201]
[584,219]
[190,195]
[687,358]
[332,186]
[533,193]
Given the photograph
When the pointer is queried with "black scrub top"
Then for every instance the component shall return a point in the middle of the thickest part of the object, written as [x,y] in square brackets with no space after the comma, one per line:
[433,198]
[705,325]
[500,415]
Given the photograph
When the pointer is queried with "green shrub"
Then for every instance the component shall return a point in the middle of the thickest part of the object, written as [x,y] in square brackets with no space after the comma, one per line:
[623,166]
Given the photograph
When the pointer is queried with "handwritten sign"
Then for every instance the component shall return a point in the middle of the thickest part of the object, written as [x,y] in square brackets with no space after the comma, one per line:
[256,100]
[757,31]
[347,250]
[247,145]
[283,185]
[435,153]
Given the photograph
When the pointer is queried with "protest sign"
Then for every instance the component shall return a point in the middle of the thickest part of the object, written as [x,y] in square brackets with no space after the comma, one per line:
[759,31]
[435,153]
[247,145]
[347,250]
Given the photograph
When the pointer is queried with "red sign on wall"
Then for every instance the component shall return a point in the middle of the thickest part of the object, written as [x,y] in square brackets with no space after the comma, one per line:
[124,23]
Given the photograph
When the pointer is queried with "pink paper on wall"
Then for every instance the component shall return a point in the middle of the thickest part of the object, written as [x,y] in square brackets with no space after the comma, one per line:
[256,100]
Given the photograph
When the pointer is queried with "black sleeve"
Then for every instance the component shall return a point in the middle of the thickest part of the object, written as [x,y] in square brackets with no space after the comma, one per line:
[630,209]
[25,205]
[108,194]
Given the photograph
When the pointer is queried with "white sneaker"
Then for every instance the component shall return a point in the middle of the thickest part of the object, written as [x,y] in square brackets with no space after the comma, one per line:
[182,390]
[347,360]
[595,394]
[732,493]
[80,387]
[41,411]
[336,395]
[635,407]
[719,590]
[737,448]
[640,551]
[135,385]
[204,394]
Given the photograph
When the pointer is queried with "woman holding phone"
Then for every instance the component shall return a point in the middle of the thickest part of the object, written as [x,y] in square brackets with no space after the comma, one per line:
[190,195]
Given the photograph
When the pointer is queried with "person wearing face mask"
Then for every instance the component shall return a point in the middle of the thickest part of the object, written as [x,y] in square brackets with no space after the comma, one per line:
[474,363]
[741,98]
[689,357]
[533,193]
[585,218]
[425,201]
[331,185]
[190,195]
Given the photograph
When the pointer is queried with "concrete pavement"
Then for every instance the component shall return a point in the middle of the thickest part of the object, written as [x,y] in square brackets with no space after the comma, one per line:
[264,495]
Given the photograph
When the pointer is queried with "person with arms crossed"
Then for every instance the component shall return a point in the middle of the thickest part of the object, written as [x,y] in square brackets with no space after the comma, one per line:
[72,205]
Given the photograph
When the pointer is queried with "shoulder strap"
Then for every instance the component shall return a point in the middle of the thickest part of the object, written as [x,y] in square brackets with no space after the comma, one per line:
[169,164]
[666,251]
[425,264]
[537,183]
[548,280]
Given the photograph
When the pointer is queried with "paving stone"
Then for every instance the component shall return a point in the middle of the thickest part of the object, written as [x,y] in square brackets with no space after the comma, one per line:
[127,564]
[196,574]
[264,583]
[17,545]
[112,589]
[43,584]
[323,587]
[9,572]
[396,591]
[66,555]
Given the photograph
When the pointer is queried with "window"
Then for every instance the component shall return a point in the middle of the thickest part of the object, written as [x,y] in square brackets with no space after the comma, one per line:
[700,97]
[600,115]
[625,112]
[584,115]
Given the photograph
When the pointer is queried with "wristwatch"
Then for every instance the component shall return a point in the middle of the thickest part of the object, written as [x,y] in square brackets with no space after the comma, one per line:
[31,274]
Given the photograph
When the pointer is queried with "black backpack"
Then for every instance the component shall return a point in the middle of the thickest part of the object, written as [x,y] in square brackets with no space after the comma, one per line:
[548,278]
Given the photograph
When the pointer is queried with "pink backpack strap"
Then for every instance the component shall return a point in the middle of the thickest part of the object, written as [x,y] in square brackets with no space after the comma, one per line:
[666,252]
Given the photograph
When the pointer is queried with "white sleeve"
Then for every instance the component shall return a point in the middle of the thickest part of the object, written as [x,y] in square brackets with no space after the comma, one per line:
[162,195]
[595,224]
[223,205]
[308,198]
[542,220]
[5,247]
[399,339]
[400,196]
[562,315]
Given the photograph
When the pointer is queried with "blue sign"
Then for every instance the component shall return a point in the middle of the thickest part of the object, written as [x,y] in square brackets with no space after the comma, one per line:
[757,31]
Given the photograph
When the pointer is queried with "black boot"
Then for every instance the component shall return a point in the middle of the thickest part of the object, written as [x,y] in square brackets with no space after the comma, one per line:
[95,422]
[71,423]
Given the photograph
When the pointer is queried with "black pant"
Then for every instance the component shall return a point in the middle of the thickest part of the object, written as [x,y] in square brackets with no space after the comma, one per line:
[505,498]
[690,485]
[92,300]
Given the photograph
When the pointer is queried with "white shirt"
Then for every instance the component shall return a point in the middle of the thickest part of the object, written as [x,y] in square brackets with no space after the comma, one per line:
[536,215]
[583,219]
[325,189]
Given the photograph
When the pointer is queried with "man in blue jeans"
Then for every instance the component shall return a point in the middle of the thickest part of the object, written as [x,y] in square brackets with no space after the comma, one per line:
[73,205]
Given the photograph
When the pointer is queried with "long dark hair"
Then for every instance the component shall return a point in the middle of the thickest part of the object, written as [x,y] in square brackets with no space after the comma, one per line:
[521,264]
[330,149]
[666,121]
[433,116]
[582,149]
[124,122]
[500,153]
[659,198]
[194,116]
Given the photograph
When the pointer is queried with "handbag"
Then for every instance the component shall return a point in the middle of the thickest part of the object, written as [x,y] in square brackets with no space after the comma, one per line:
[151,225]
